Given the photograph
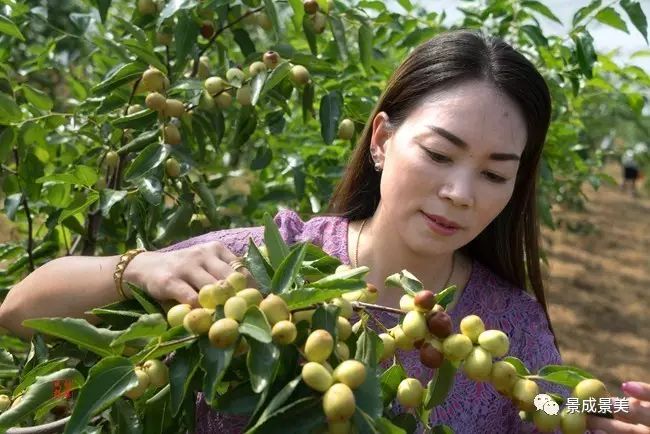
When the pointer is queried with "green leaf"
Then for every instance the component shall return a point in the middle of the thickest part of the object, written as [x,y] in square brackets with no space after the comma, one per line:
[368,394]
[272,13]
[141,119]
[440,385]
[262,362]
[567,377]
[365,46]
[256,86]
[287,271]
[170,341]
[9,111]
[185,34]
[299,417]
[442,429]
[308,102]
[277,248]
[298,13]
[102,6]
[278,400]
[277,75]
[151,157]
[304,297]
[406,4]
[8,27]
[390,380]
[146,326]
[178,222]
[310,34]
[330,113]
[79,205]
[118,76]
[385,426]
[369,348]
[325,318]
[172,7]
[7,139]
[144,53]
[79,332]
[259,268]
[255,326]
[610,17]
[182,369]
[43,390]
[338,30]
[535,35]
[541,8]
[583,12]
[405,280]
[126,418]
[214,362]
[37,98]
[444,297]
[636,15]
[108,198]
[145,300]
[107,381]
[518,364]
[39,371]
[81,175]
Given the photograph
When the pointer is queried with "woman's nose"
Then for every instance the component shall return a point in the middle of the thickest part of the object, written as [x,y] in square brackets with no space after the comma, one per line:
[459,191]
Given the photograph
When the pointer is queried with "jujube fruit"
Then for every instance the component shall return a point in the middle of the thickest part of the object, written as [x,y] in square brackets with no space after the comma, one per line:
[319,346]
[235,308]
[472,326]
[198,321]
[223,100]
[207,29]
[147,7]
[495,342]
[524,393]
[112,158]
[153,80]
[244,95]
[389,346]
[5,402]
[302,315]
[155,101]
[173,170]
[478,364]
[344,427]
[264,21]
[316,376]
[351,373]
[174,108]
[223,333]
[407,303]
[402,341]
[176,314]
[319,21]
[546,422]
[439,324]
[310,6]
[157,371]
[338,403]
[256,67]
[573,423]
[503,377]
[299,75]
[424,300]
[252,296]
[171,134]
[271,59]
[275,309]
[346,129]
[141,387]
[235,74]
[237,280]
[414,325]
[284,332]
[590,388]
[342,351]
[214,85]
[345,307]
[344,328]
[410,393]
[456,347]
[430,356]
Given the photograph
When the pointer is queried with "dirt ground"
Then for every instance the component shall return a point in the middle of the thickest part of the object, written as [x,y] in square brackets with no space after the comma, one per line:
[598,286]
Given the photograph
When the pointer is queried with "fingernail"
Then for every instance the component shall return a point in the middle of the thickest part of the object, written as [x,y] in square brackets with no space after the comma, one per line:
[632,388]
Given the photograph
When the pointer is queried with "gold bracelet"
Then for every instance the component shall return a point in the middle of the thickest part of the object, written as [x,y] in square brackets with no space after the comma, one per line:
[121,266]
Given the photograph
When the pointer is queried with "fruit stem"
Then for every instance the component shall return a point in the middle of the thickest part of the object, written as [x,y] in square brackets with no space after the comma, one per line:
[362,305]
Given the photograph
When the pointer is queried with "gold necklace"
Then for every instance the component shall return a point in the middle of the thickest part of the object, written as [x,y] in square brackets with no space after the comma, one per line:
[356,256]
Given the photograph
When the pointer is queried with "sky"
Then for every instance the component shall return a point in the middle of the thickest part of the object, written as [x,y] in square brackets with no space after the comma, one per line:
[605,38]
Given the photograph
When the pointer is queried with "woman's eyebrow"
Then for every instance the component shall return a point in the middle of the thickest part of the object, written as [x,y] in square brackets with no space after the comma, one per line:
[497,156]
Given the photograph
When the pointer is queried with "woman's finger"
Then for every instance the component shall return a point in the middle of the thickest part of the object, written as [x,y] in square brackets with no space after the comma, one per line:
[636,411]
[182,292]
[198,277]
[637,389]
[222,266]
[613,426]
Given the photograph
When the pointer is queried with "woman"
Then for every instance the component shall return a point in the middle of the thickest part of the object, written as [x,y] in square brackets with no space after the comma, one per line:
[442,183]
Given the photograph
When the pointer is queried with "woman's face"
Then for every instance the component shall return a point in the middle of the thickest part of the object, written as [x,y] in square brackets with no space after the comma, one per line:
[455,158]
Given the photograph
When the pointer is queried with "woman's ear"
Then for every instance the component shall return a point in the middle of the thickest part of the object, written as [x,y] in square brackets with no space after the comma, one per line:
[381,134]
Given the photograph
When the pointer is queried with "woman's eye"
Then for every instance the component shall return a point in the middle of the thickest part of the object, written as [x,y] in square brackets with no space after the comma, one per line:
[495,178]
[438,157]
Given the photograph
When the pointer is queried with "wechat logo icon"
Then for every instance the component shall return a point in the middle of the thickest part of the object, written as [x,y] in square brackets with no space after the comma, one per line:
[545,403]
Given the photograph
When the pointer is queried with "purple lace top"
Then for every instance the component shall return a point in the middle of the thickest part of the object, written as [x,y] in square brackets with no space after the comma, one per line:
[471,407]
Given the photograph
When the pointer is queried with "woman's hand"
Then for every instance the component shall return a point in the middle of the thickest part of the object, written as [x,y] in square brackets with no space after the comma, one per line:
[635,421]
[180,274]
